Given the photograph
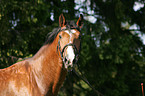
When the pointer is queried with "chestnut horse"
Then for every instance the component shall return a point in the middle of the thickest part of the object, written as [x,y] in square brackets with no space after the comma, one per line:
[44,73]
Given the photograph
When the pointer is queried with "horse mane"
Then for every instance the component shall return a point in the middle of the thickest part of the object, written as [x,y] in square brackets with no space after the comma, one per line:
[52,35]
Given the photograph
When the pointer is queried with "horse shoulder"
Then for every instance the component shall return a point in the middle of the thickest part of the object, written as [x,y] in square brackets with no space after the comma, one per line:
[15,80]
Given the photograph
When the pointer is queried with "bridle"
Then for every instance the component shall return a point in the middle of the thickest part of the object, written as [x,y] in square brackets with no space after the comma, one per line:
[76,51]
[65,63]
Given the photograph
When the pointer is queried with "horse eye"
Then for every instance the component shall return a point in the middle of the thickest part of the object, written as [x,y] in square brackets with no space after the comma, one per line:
[60,36]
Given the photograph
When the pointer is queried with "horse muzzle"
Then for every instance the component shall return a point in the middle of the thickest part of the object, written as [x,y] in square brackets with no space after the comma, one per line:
[70,56]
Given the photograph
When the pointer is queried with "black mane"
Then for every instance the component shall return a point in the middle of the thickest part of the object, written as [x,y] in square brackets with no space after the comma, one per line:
[52,35]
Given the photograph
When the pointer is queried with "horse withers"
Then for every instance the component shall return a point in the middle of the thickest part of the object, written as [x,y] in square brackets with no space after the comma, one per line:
[44,73]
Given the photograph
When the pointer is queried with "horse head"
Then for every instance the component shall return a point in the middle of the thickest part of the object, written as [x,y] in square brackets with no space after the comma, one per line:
[69,41]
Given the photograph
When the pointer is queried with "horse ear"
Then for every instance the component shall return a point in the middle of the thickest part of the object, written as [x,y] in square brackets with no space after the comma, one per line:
[80,21]
[61,20]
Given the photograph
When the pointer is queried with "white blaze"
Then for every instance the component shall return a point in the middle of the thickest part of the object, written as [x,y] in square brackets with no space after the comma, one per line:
[71,31]
[70,54]
[70,51]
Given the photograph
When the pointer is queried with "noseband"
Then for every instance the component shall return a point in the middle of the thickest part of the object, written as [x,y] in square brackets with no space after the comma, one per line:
[65,62]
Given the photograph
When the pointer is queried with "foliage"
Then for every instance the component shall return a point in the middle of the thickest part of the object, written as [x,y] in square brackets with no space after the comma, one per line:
[112,56]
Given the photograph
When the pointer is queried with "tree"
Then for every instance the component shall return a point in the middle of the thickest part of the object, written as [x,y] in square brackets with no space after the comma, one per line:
[112,56]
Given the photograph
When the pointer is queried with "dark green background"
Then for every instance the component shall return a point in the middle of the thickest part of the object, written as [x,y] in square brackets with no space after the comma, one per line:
[112,60]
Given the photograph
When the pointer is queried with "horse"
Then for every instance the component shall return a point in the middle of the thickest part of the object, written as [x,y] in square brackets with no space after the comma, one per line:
[44,73]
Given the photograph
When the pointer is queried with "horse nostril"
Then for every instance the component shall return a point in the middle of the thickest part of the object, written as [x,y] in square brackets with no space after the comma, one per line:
[65,60]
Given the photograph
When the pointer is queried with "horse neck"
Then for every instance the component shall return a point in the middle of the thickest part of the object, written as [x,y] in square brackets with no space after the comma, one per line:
[47,67]
[46,56]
